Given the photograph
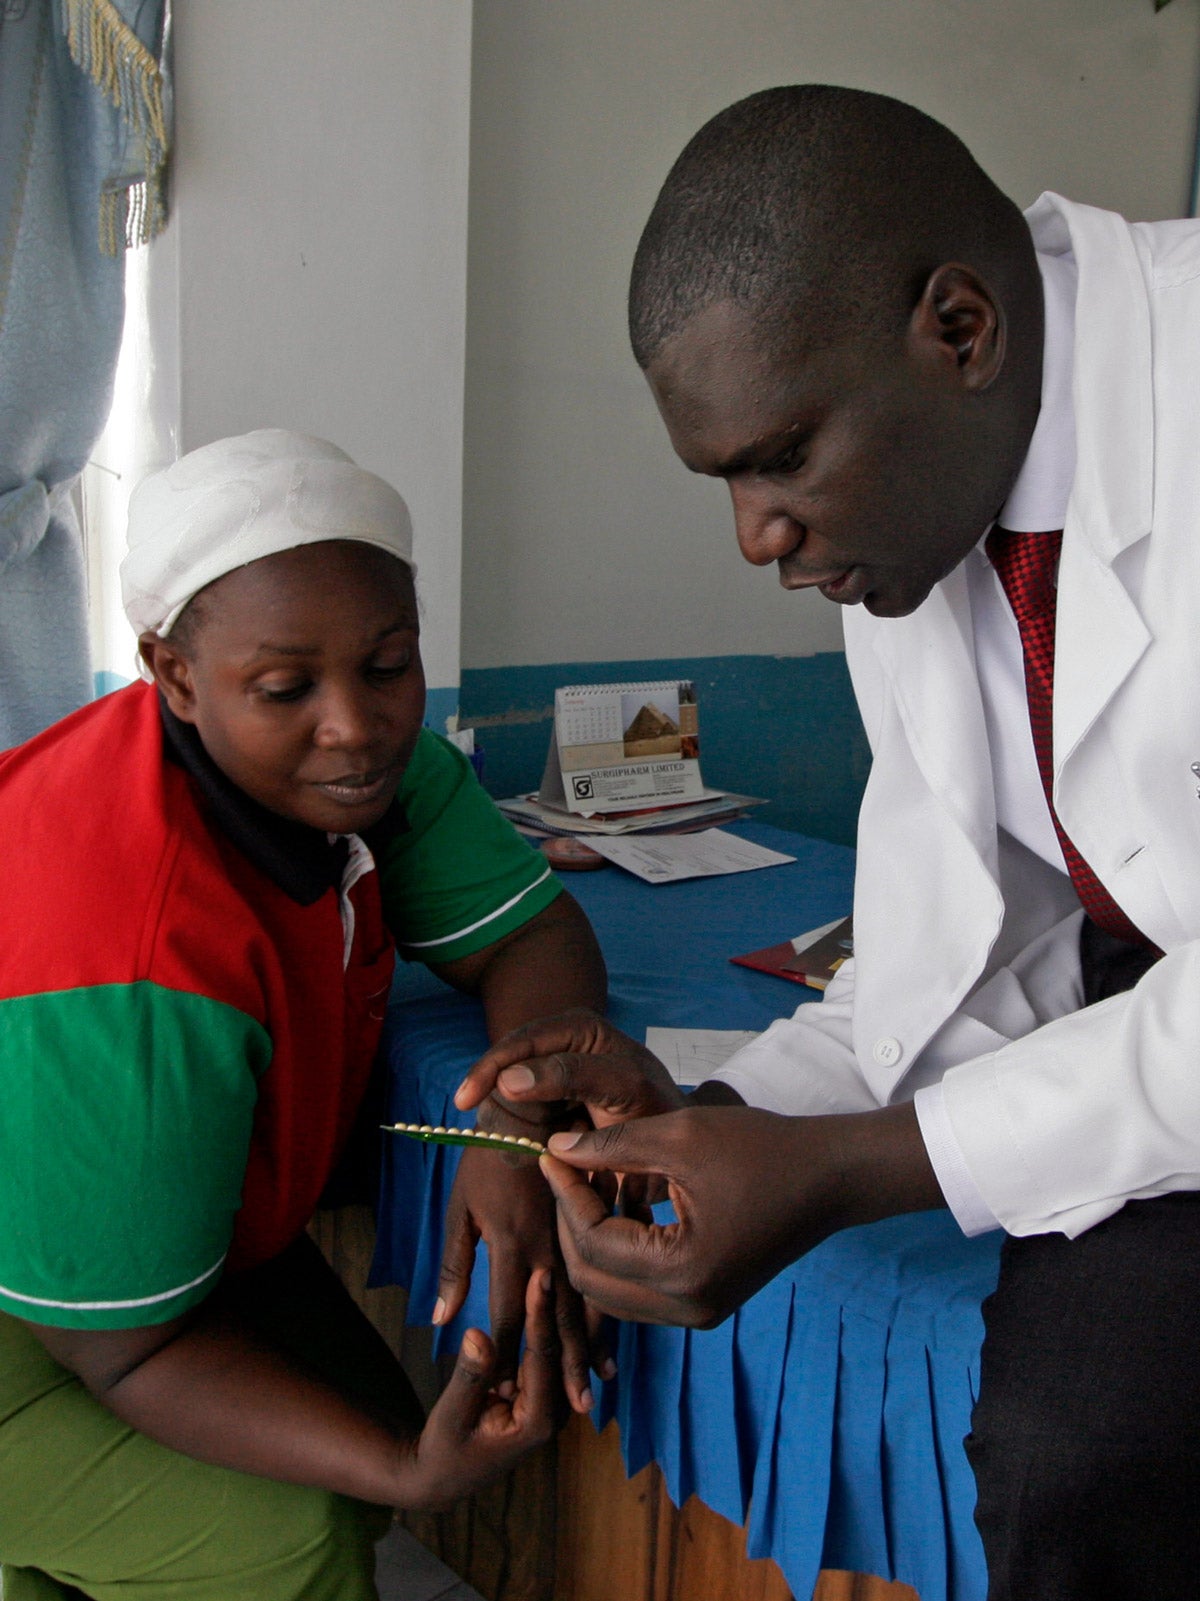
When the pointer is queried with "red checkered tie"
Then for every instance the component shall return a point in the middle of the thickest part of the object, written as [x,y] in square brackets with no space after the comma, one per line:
[1026,564]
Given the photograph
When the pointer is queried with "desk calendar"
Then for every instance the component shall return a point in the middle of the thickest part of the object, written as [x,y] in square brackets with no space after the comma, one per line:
[623,747]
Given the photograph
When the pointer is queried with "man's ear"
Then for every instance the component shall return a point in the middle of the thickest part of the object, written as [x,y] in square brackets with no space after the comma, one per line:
[172,672]
[959,320]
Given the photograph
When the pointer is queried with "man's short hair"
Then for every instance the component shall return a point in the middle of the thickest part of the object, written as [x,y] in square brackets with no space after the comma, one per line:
[820,209]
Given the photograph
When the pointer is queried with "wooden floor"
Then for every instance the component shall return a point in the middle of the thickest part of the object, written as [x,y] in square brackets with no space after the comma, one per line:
[566,1524]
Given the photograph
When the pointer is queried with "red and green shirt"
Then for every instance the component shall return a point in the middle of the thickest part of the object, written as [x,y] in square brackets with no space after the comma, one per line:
[191,995]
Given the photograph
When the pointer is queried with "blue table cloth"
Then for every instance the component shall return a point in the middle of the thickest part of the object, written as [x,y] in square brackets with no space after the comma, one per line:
[830,1410]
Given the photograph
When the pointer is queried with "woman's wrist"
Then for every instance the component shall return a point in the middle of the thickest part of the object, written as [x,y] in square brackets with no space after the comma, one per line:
[406,1491]
[531,1118]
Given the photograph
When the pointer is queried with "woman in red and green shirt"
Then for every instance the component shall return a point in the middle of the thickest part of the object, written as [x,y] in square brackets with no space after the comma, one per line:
[206,878]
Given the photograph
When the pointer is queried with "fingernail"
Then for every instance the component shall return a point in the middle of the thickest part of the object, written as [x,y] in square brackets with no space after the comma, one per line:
[439,1311]
[608,1368]
[587,1400]
[547,1280]
[516,1079]
[473,1346]
[506,1389]
[564,1142]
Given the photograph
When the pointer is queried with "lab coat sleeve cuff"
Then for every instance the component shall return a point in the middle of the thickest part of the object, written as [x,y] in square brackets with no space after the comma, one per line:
[971,1211]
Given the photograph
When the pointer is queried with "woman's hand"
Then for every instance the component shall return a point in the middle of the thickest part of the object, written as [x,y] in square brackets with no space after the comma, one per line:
[474,1433]
[567,1072]
[505,1200]
[572,1071]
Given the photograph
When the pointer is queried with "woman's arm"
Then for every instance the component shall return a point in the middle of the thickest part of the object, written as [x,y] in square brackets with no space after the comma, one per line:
[550,964]
[209,1386]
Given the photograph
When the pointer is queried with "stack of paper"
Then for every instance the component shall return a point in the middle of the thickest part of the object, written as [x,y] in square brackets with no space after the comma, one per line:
[713,806]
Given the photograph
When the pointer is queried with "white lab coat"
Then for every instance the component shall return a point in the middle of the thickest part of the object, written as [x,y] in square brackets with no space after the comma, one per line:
[966,944]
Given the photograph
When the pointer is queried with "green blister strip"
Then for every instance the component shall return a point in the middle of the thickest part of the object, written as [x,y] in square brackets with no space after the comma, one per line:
[464,1136]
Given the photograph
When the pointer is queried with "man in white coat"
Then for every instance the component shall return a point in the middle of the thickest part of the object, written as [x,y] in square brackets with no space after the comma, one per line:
[899,377]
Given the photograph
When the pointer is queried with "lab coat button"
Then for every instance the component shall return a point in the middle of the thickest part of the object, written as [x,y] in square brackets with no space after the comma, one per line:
[887,1051]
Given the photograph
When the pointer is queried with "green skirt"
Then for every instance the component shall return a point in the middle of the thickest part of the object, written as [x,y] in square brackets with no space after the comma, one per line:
[89,1505]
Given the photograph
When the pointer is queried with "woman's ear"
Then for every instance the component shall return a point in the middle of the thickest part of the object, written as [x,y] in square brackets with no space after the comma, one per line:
[960,322]
[172,672]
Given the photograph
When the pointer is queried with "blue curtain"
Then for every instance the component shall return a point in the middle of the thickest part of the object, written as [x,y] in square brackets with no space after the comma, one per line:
[83,116]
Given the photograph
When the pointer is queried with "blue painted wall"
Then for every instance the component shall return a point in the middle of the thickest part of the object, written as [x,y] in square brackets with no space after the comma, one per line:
[785,727]
[440,704]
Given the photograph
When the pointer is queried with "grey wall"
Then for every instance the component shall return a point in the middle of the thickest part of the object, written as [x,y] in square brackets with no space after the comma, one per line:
[319,245]
[583,539]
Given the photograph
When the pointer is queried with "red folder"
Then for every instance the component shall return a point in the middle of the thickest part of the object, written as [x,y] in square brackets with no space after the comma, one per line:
[818,959]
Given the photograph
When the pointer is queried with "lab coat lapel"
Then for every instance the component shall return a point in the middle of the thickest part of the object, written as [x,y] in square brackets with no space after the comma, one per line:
[1092,605]
[1111,508]
[1112,496]
[928,836]
[930,661]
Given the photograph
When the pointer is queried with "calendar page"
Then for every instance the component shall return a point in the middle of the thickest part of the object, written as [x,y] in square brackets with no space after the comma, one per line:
[621,747]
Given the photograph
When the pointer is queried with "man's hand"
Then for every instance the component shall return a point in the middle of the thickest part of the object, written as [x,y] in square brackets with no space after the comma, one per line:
[474,1433]
[574,1060]
[752,1191]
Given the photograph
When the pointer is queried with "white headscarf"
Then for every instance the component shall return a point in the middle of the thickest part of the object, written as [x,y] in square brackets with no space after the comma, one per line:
[240,499]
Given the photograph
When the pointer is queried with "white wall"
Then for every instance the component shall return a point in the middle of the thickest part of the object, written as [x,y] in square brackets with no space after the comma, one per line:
[584,540]
[319,231]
